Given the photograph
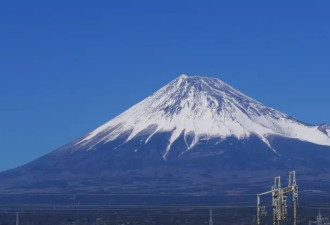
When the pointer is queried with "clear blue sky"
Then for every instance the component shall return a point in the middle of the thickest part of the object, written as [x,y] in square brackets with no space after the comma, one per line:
[68,66]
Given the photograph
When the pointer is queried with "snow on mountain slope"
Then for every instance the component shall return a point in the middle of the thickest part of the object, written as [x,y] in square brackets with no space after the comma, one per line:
[203,107]
[325,128]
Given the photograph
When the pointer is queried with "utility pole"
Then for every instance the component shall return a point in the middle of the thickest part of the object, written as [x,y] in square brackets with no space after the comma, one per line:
[17,219]
[211,217]
[279,200]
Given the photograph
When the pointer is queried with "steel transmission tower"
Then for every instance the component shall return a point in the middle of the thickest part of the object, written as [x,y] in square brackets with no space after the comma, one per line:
[279,200]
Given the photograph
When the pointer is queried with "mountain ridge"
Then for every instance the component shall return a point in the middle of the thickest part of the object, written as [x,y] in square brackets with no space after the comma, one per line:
[195,136]
[193,105]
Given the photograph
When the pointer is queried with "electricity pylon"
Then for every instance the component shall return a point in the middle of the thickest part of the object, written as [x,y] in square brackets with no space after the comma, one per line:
[279,200]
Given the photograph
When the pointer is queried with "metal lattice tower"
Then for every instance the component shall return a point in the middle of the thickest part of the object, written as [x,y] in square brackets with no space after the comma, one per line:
[279,200]
[319,219]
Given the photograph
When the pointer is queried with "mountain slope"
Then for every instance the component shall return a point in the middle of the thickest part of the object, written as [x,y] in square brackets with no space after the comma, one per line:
[202,107]
[195,136]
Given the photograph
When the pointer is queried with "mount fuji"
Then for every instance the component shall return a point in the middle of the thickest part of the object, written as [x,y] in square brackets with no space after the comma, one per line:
[202,108]
[195,136]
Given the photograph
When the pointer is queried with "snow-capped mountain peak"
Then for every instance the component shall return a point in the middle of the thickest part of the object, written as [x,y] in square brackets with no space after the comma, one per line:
[202,108]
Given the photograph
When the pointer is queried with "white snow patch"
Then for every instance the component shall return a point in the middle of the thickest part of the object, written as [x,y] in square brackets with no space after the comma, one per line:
[206,107]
